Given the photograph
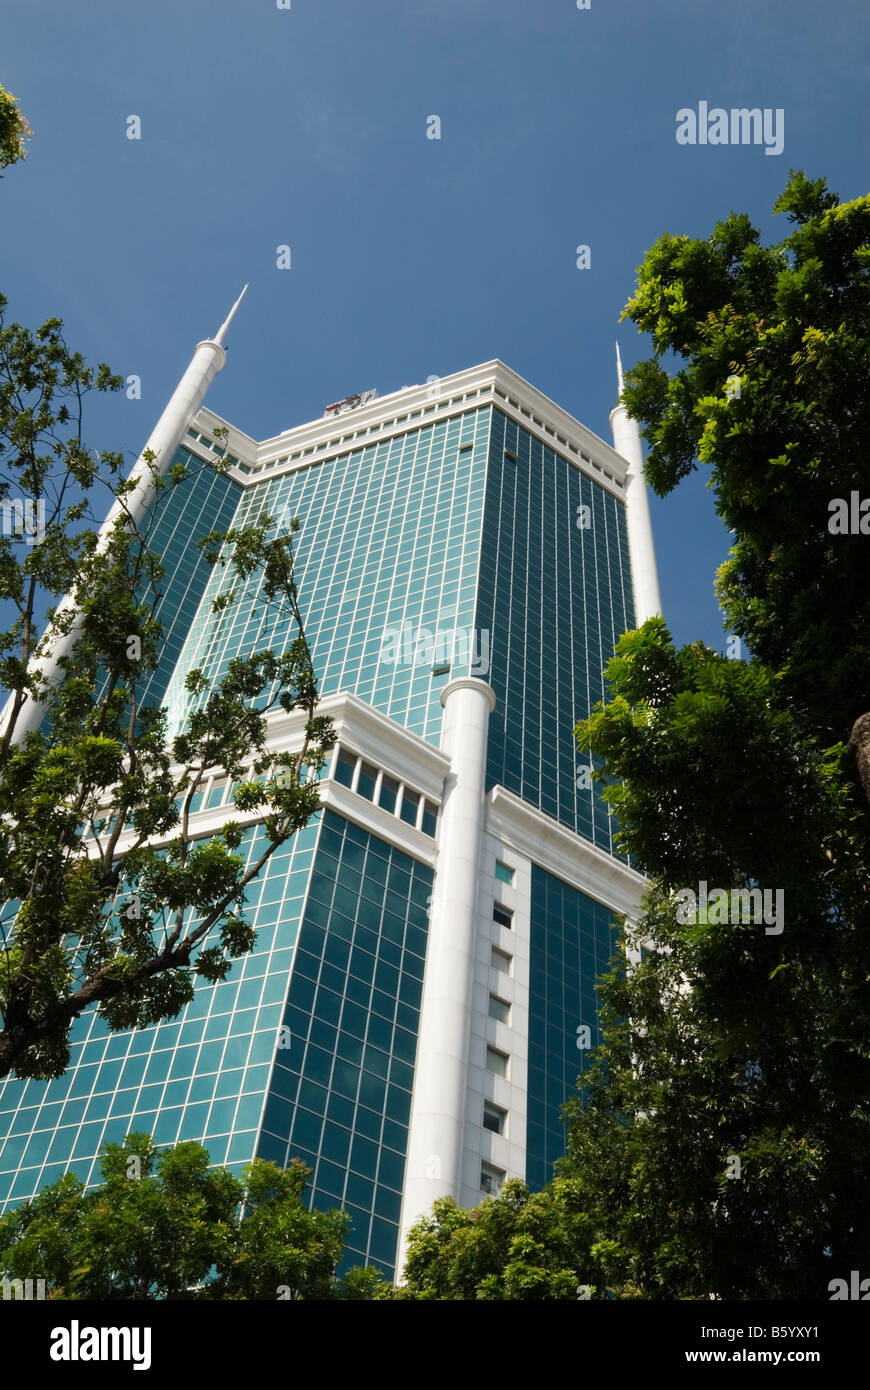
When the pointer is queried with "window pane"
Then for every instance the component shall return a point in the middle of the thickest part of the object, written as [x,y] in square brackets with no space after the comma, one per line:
[501,960]
[493,1118]
[499,1010]
[389,793]
[410,803]
[366,784]
[496,1062]
[344,767]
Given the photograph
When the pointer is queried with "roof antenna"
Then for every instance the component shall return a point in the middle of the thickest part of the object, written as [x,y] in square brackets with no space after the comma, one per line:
[219,336]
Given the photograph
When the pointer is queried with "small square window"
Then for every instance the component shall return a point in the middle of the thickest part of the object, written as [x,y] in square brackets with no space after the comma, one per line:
[500,960]
[503,872]
[491,1179]
[503,915]
[509,454]
[499,1010]
[494,1117]
[496,1062]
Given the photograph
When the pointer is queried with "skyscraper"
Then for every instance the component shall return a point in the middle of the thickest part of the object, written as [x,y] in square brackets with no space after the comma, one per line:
[422,986]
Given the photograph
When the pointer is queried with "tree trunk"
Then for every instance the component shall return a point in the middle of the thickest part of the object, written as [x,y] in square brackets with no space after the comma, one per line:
[859,747]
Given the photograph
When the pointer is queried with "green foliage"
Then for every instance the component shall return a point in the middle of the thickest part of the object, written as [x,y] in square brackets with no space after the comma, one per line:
[14,130]
[517,1245]
[792,323]
[721,1133]
[740,1043]
[164,1225]
[108,900]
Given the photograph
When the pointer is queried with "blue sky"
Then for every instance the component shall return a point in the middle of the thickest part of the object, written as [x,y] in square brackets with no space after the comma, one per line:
[307,127]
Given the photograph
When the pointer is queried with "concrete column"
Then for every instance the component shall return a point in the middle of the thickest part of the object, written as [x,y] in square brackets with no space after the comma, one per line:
[437,1129]
[627,442]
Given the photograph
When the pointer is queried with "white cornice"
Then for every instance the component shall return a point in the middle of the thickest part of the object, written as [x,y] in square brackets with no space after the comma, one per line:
[423,767]
[388,416]
[563,853]
[361,729]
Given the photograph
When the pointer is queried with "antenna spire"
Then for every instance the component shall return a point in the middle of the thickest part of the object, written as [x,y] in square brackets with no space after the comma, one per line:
[219,336]
[619,370]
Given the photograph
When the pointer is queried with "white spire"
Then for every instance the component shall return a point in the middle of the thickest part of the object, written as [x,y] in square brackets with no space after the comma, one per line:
[627,442]
[219,336]
[208,358]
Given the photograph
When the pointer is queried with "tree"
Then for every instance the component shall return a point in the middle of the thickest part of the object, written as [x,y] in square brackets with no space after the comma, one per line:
[108,899]
[164,1225]
[721,1135]
[14,130]
[773,395]
[517,1245]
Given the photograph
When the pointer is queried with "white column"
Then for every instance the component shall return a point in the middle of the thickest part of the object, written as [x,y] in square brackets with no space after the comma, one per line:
[208,358]
[436,1136]
[627,442]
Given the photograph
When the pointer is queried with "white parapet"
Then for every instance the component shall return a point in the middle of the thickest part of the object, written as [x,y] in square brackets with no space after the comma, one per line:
[627,442]
[436,1136]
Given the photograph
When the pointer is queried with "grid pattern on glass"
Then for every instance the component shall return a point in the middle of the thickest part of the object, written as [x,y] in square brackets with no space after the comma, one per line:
[340,1094]
[573,939]
[388,552]
[205,502]
[202,1076]
[556,597]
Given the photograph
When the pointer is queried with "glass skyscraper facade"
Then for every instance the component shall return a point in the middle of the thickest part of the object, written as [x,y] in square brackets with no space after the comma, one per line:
[461,542]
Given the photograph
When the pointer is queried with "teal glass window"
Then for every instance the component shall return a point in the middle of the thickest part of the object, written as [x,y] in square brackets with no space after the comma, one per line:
[367,778]
[345,765]
[389,793]
[353,1060]
[573,939]
[410,806]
